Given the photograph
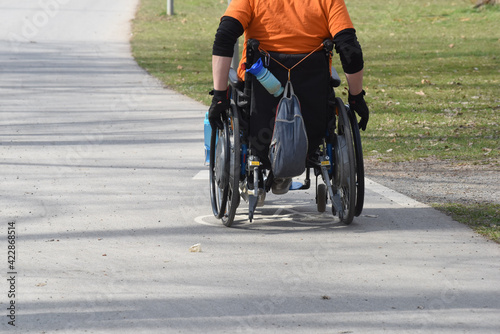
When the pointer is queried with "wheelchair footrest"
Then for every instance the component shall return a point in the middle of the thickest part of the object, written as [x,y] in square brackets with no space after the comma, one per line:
[296,185]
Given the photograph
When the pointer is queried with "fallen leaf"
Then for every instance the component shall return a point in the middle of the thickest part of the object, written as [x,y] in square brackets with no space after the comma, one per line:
[487,150]
[421,93]
[196,248]
[180,67]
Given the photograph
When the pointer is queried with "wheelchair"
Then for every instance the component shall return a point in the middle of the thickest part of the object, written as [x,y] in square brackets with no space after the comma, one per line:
[235,172]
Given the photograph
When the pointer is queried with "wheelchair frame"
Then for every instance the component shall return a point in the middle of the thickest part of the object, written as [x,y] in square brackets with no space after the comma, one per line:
[233,168]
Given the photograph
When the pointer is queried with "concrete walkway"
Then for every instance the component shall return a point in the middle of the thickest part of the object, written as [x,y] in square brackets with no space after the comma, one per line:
[103,182]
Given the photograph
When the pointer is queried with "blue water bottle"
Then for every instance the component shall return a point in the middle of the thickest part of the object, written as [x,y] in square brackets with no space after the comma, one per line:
[266,78]
[207,136]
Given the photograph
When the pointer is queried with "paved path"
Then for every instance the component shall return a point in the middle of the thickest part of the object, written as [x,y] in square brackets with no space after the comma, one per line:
[101,171]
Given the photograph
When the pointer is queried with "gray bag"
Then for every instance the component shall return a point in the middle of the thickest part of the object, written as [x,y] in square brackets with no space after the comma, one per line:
[288,149]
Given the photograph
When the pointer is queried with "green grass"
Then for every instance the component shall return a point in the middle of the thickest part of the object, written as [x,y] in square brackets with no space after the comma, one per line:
[177,49]
[432,72]
[483,218]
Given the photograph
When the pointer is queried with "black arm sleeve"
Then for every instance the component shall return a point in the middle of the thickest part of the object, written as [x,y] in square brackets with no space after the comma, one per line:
[347,46]
[228,32]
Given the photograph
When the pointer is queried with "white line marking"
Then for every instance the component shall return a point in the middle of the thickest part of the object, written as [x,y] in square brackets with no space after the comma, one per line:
[393,195]
[201,175]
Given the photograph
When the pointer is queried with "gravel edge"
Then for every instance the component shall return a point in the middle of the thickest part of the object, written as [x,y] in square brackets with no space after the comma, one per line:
[432,181]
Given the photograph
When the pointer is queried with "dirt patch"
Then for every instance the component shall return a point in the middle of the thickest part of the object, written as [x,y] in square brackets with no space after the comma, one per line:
[435,181]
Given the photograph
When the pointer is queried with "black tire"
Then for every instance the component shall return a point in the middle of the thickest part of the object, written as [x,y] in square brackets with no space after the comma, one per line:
[321,197]
[219,155]
[234,167]
[360,169]
[344,176]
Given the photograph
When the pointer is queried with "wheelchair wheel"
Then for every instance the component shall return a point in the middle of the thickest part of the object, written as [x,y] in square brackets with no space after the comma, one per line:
[219,170]
[344,177]
[321,197]
[233,195]
[360,171]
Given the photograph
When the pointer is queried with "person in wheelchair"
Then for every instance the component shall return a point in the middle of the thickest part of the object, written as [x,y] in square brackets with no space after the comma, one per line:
[288,30]
[294,39]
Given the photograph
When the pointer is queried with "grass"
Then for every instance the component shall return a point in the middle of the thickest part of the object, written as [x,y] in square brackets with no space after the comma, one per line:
[432,71]
[177,49]
[433,80]
[483,218]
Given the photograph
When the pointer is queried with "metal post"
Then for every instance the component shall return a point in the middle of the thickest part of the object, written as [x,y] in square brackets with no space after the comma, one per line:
[170,7]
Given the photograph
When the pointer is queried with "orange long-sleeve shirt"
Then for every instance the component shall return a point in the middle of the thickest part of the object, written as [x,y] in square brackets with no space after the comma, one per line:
[289,26]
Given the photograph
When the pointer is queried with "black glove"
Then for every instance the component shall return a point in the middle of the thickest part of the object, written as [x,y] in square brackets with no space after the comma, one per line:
[358,104]
[220,103]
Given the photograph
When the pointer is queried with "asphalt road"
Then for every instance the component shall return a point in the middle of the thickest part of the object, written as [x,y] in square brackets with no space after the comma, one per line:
[103,190]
